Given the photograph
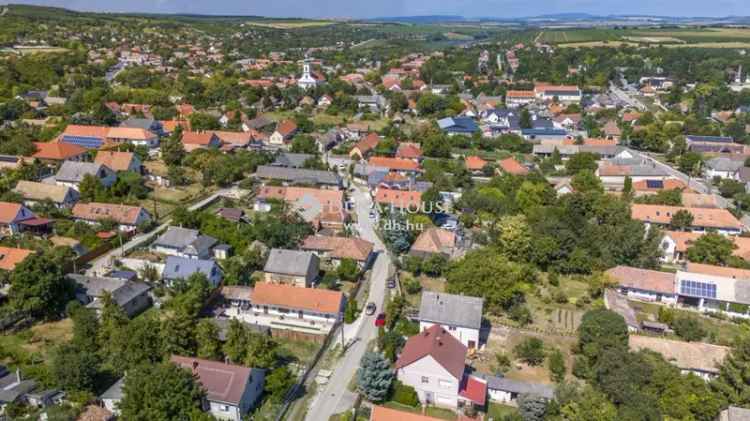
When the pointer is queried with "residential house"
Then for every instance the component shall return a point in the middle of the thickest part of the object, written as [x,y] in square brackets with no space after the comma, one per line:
[702,359]
[129,218]
[284,132]
[373,103]
[614,171]
[433,363]
[148,124]
[710,288]
[12,162]
[734,413]
[57,152]
[200,140]
[13,388]
[644,284]
[511,166]
[231,141]
[89,137]
[133,136]
[119,161]
[362,149]
[131,296]
[723,167]
[112,397]
[612,130]
[507,391]
[15,218]
[231,390]
[10,257]
[516,98]
[399,199]
[286,307]
[399,165]
[655,185]
[434,241]
[458,126]
[322,208]
[292,160]
[475,164]
[72,173]
[34,193]
[409,150]
[558,93]
[459,315]
[181,268]
[720,220]
[235,215]
[336,249]
[297,268]
[299,176]
[183,242]
[674,245]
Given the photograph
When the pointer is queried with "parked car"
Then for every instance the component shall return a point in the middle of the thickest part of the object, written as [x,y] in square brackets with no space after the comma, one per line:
[370,308]
[372,214]
[380,320]
[391,283]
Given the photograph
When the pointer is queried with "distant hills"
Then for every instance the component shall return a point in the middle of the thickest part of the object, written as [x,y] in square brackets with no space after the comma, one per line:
[572,18]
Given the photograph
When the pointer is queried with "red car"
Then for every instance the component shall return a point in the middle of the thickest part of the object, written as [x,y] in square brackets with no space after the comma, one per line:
[380,320]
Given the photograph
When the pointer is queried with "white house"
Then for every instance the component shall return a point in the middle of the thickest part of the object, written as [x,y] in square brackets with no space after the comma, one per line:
[723,167]
[715,289]
[231,390]
[433,363]
[183,242]
[460,315]
[644,284]
[71,173]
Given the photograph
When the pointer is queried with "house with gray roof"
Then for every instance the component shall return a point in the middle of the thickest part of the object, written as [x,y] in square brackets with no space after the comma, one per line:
[181,268]
[71,173]
[302,176]
[724,167]
[111,397]
[460,315]
[292,160]
[131,296]
[183,242]
[505,390]
[13,388]
[298,268]
[150,124]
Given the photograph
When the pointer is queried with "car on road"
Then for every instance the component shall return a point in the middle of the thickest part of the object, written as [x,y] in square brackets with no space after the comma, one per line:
[391,283]
[380,320]
[370,308]
[372,214]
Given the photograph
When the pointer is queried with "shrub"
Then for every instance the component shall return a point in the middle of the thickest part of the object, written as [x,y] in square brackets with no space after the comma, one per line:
[503,362]
[531,351]
[560,297]
[521,314]
[688,328]
[411,285]
[405,395]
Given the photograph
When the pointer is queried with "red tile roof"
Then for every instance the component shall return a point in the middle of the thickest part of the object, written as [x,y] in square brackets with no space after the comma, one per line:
[381,413]
[9,212]
[726,272]
[396,164]
[10,257]
[399,198]
[709,218]
[58,151]
[197,138]
[473,389]
[437,343]
[520,94]
[643,279]
[122,214]
[475,163]
[222,382]
[286,127]
[409,150]
[434,240]
[339,247]
[292,297]
[117,161]
[668,184]
[511,166]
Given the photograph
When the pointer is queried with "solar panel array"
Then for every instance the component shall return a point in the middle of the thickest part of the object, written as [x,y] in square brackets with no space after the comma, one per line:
[697,289]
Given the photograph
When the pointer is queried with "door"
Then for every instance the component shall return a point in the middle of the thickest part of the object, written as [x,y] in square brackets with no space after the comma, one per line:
[428,398]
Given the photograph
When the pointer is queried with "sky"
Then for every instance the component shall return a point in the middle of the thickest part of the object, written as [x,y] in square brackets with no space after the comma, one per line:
[382,8]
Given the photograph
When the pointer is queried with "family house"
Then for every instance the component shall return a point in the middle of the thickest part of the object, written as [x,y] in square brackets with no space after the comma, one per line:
[231,390]
[720,220]
[183,242]
[72,173]
[723,167]
[337,248]
[34,193]
[200,140]
[299,176]
[710,288]
[286,307]
[181,268]
[460,315]
[644,284]
[399,199]
[362,149]
[56,152]
[12,256]
[701,359]
[297,268]
[516,98]
[433,363]
[284,132]
[129,218]
[322,208]
[399,165]
[119,161]
[674,245]
[458,126]
[131,296]
[16,218]
[434,241]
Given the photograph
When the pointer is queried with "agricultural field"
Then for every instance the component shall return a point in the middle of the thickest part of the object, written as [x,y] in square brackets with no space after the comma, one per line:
[291,23]
[675,37]
[577,35]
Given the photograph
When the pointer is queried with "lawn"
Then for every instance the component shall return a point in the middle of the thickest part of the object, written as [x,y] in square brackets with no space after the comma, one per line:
[302,351]
[497,411]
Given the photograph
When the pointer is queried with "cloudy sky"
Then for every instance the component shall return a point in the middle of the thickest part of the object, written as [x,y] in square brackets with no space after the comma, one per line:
[379,8]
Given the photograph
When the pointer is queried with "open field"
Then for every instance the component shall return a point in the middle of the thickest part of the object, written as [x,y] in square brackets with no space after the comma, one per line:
[692,37]
[290,24]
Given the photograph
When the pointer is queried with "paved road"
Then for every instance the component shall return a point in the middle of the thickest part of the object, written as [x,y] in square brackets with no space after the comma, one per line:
[334,397]
[626,97]
[103,263]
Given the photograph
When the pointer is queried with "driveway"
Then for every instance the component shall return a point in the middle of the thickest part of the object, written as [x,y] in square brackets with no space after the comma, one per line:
[334,397]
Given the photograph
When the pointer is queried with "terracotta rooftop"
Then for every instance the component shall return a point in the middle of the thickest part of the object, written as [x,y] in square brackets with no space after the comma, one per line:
[58,151]
[475,163]
[117,161]
[368,143]
[381,413]
[437,343]
[520,94]
[511,166]
[9,212]
[643,279]
[339,247]
[723,271]
[292,297]
[435,240]
[650,185]
[709,218]
[399,198]
[10,257]
[197,138]
[396,164]
[409,150]
[682,239]
[122,214]
[222,382]
[286,127]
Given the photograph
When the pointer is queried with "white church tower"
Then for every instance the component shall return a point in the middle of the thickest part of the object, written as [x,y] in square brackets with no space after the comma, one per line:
[307,80]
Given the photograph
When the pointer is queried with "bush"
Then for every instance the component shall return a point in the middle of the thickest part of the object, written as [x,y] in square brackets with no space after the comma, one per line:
[688,328]
[503,362]
[411,285]
[560,297]
[521,314]
[350,313]
[405,395]
[531,351]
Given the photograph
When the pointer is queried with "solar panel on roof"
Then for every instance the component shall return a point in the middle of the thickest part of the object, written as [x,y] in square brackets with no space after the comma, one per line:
[655,184]
[86,142]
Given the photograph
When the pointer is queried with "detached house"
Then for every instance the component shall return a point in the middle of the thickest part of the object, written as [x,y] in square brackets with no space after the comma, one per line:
[720,220]
[11,256]
[183,242]
[297,268]
[200,140]
[399,199]
[338,248]
[56,152]
[181,268]
[644,284]
[284,132]
[127,217]
[433,363]
[131,296]
[434,241]
[72,173]
[363,148]
[286,307]
[231,390]
[33,193]
[15,218]
[460,315]
[119,161]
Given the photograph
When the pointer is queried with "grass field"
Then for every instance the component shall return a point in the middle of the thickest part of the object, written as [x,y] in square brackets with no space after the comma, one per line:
[689,37]
[290,24]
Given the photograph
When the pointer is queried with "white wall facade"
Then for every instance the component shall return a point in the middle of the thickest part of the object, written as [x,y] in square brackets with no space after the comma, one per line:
[467,336]
[433,383]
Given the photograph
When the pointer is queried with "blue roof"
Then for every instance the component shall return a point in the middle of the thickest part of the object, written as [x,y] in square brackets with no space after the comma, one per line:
[458,125]
[544,132]
[718,139]
[182,268]
[655,184]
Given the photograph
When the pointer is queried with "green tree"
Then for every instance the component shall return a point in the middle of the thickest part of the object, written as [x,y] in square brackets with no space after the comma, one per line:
[581,161]
[74,368]
[688,328]
[278,383]
[347,270]
[586,181]
[525,119]
[160,392]
[172,149]
[532,407]
[530,351]
[733,383]
[85,328]
[39,287]
[589,405]
[627,189]
[90,187]
[374,377]
[690,163]
[304,144]
[351,311]
[207,340]
[514,237]
[556,365]
[711,248]
[601,330]
[681,220]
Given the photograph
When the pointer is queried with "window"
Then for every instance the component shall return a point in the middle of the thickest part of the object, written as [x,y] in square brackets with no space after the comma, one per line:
[445,384]
[425,380]
[697,289]
[451,328]
[225,408]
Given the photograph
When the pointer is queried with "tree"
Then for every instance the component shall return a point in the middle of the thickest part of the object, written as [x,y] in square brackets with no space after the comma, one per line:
[350,312]
[374,377]
[304,144]
[207,340]
[172,149]
[278,383]
[690,163]
[514,237]
[525,119]
[581,161]
[711,248]
[160,392]
[586,181]
[85,328]
[681,220]
[601,330]
[530,351]
[588,405]
[627,189]
[90,187]
[347,270]
[556,365]
[532,407]
[74,368]
[733,383]
[39,287]
[688,328]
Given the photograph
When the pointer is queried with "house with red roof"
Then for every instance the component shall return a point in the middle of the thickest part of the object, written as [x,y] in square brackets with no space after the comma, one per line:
[475,163]
[231,390]
[433,362]
[409,150]
[511,166]
[400,165]
[56,152]
[399,199]
[284,132]
[200,140]
[16,218]
[363,148]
